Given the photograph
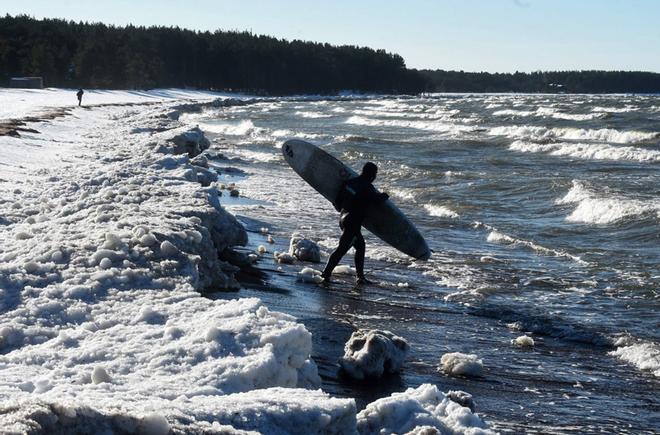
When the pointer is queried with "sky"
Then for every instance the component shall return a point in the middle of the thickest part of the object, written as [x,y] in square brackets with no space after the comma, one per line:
[469,35]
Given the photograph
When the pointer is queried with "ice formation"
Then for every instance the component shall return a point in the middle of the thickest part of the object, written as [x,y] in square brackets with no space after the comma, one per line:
[523,341]
[461,364]
[417,411]
[111,228]
[102,326]
[304,249]
[307,274]
[371,353]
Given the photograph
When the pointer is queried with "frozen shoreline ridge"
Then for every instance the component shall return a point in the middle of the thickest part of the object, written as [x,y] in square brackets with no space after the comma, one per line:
[108,238]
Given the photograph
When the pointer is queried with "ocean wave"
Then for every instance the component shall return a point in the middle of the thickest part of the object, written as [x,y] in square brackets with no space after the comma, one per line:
[405,194]
[599,135]
[243,128]
[588,151]
[440,211]
[596,209]
[644,356]
[446,128]
[551,113]
[498,237]
[312,114]
[599,109]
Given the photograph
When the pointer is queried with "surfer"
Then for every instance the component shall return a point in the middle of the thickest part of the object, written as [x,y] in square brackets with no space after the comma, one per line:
[355,197]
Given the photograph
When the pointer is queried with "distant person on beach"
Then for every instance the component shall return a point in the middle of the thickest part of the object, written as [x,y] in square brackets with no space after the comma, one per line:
[353,200]
[79,94]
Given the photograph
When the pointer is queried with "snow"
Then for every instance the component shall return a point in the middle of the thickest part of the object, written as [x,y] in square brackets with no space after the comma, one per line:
[461,364]
[19,103]
[414,410]
[110,227]
[372,353]
[101,320]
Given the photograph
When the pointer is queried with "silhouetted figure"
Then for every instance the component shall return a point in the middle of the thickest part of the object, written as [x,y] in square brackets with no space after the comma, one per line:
[79,94]
[353,200]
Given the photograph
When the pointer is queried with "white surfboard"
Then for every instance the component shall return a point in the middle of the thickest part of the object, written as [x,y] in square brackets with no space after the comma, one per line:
[326,174]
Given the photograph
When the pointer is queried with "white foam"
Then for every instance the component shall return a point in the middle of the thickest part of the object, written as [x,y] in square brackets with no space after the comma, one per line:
[599,109]
[312,114]
[594,209]
[242,128]
[608,135]
[496,236]
[644,356]
[588,151]
[440,127]
[440,211]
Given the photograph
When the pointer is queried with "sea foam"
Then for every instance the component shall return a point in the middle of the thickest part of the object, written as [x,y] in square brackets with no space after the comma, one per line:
[600,210]
[588,151]
[608,135]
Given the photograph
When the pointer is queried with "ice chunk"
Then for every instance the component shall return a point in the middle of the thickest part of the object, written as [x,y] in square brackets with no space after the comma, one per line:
[417,411]
[105,263]
[112,241]
[148,240]
[371,353]
[304,249]
[461,364]
[100,375]
[284,258]
[344,269]
[523,341]
[10,336]
[307,274]
[168,249]
[154,424]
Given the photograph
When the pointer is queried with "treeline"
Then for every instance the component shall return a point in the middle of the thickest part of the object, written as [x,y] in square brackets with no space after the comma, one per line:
[551,82]
[70,54]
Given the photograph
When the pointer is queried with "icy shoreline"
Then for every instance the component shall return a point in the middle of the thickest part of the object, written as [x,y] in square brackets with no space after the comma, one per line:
[109,236]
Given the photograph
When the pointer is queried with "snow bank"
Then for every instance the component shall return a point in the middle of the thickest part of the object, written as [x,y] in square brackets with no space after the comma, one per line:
[415,410]
[19,103]
[371,353]
[461,364]
[102,327]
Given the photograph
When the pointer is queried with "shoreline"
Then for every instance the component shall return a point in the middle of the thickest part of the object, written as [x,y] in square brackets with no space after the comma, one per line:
[102,285]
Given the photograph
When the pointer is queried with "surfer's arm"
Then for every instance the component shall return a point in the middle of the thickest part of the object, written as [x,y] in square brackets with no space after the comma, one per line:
[375,196]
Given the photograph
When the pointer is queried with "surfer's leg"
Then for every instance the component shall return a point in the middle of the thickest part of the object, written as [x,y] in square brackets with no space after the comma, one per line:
[359,246]
[345,243]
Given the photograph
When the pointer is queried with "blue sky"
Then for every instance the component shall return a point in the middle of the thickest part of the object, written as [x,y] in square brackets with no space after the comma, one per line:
[470,35]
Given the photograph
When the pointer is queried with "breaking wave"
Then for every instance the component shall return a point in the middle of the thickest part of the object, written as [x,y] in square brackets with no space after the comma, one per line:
[644,356]
[594,209]
[447,128]
[600,135]
[495,236]
[588,151]
[440,211]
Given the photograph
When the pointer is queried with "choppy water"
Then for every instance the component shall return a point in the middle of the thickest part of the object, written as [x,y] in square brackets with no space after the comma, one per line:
[544,215]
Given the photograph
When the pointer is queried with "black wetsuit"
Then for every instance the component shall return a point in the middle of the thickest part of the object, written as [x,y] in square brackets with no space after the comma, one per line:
[354,199]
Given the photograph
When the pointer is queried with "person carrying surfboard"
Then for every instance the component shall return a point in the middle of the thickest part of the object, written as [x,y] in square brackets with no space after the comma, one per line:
[355,197]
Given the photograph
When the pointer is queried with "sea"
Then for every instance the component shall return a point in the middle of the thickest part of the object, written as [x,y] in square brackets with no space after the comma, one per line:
[543,214]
